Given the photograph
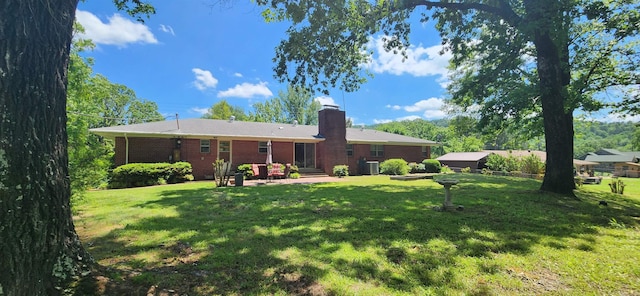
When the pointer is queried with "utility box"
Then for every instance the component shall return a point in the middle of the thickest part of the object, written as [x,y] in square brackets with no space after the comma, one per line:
[372,168]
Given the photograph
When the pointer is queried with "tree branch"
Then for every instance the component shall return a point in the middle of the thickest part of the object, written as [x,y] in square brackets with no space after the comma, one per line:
[504,11]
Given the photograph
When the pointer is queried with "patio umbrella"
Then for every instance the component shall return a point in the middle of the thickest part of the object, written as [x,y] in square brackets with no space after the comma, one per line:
[269,153]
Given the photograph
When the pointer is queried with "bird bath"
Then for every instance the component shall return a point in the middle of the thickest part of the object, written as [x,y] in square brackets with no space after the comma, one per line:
[448,204]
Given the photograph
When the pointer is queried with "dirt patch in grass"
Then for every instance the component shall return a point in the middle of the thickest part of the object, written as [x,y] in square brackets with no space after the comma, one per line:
[539,282]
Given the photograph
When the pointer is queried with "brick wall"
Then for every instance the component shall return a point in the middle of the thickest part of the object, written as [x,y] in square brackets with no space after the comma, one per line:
[363,151]
[247,152]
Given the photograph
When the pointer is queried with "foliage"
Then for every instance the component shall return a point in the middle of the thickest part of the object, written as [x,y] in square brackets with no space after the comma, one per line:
[93,101]
[532,164]
[465,170]
[246,170]
[294,105]
[394,166]
[294,175]
[223,110]
[364,236]
[147,174]
[416,168]
[221,172]
[617,186]
[432,165]
[341,170]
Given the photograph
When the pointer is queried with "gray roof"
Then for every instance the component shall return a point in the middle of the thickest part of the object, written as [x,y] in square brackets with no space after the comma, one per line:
[204,128]
[463,156]
[627,157]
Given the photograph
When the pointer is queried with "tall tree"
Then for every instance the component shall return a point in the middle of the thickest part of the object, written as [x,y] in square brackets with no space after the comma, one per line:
[223,110]
[39,246]
[491,41]
[295,104]
[93,101]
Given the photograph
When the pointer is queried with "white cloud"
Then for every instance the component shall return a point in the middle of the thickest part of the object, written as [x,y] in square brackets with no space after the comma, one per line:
[410,117]
[237,74]
[422,105]
[324,100]
[431,109]
[246,90]
[420,61]
[201,111]
[204,79]
[167,29]
[117,31]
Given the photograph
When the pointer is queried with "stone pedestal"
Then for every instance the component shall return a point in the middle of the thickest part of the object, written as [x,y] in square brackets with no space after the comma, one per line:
[448,200]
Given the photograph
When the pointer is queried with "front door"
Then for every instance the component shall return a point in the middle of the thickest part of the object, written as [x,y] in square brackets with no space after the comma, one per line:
[305,155]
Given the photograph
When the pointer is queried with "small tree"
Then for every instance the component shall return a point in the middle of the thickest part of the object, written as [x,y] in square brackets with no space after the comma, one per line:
[221,172]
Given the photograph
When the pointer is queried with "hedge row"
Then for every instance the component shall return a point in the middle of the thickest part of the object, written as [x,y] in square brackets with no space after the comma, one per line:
[147,174]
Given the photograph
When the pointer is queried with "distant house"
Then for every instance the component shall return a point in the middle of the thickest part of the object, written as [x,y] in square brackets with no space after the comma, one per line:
[460,160]
[614,161]
[202,141]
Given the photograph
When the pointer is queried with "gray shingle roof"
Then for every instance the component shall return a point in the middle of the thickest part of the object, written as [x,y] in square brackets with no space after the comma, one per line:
[198,128]
[463,156]
[610,158]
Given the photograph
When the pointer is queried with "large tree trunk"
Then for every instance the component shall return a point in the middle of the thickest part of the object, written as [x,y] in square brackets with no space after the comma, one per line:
[550,35]
[38,244]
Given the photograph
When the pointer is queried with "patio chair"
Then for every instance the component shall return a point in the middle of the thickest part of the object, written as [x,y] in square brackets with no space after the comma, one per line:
[276,171]
[256,171]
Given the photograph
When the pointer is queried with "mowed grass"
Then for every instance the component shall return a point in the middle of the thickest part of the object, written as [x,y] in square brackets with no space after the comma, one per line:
[366,236]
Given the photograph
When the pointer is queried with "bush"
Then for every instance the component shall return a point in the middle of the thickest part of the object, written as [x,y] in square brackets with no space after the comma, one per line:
[394,166]
[147,174]
[532,164]
[295,175]
[466,170]
[416,168]
[246,170]
[341,170]
[432,165]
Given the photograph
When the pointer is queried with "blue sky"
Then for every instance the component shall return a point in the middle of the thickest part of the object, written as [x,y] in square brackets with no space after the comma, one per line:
[192,54]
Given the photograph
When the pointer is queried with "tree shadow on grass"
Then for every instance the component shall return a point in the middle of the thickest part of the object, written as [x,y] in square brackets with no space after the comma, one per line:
[289,238]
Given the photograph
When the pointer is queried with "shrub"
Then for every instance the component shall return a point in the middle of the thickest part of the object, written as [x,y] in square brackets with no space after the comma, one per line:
[466,170]
[394,166]
[532,164]
[246,170]
[446,170]
[486,171]
[147,174]
[496,162]
[295,175]
[432,165]
[341,170]
[416,168]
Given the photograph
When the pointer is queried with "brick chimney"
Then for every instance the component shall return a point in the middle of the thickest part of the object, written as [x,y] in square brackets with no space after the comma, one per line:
[332,127]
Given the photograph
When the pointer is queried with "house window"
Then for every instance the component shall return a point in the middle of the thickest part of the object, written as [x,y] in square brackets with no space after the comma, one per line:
[424,151]
[377,150]
[262,147]
[205,146]
[349,149]
[225,146]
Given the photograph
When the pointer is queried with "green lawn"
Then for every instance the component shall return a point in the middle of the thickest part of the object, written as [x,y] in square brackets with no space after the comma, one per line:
[365,236]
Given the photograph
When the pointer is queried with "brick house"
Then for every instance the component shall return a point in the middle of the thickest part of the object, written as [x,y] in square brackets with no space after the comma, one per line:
[202,141]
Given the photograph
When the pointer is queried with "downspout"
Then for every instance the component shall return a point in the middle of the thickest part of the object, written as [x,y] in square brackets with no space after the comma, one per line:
[126,149]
